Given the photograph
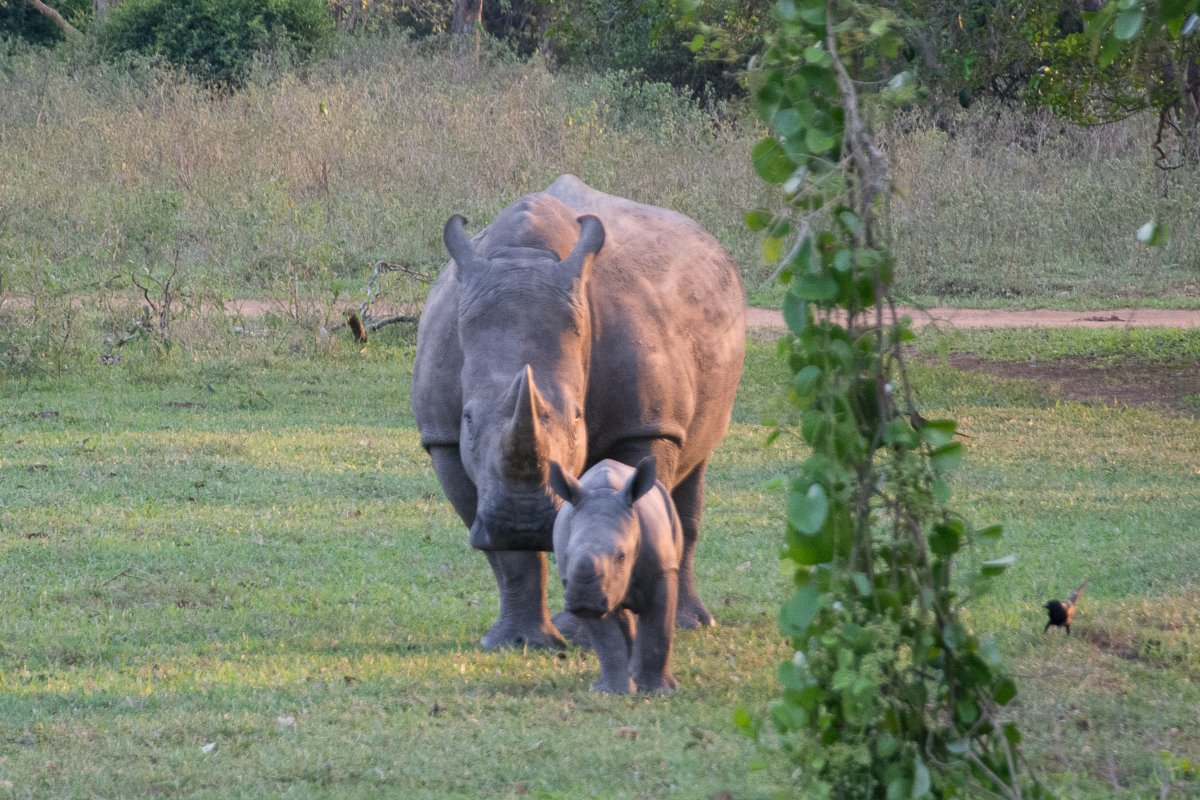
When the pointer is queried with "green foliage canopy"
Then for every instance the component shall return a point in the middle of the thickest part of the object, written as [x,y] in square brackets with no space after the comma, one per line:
[218,40]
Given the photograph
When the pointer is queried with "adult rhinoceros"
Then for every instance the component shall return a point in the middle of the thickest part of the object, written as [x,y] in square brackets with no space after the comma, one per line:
[578,326]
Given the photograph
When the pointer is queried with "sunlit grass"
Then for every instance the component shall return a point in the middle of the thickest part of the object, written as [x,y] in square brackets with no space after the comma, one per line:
[243,599]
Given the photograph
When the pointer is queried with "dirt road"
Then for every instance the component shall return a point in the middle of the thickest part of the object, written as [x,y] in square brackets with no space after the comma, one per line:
[1040,318]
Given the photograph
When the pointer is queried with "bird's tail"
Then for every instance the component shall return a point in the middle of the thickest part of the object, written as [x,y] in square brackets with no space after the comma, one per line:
[1078,593]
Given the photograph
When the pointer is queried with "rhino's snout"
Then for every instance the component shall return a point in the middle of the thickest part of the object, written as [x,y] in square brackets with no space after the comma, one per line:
[585,594]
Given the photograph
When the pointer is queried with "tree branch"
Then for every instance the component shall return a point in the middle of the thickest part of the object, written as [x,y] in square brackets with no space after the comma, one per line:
[55,17]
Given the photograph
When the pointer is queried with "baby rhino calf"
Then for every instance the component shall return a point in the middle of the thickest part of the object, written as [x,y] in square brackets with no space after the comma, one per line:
[617,541]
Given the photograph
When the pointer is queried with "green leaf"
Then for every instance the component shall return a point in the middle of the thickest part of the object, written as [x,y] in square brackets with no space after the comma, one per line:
[946,539]
[921,784]
[842,259]
[795,313]
[991,532]
[815,288]
[886,745]
[816,55]
[946,457]
[1129,24]
[787,122]
[742,720]
[772,249]
[807,511]
[806,378]
[997,565]
[771,162]
[938,432]
[812,12]
[799,611]
[758,219]
[899,432]
[1004,692]
[818,141]
[849,221]
[697,43]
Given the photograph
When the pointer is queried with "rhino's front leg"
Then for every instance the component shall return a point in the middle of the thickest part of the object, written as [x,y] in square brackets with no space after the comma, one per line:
[524,618]
[655,633]
[521,577]
[611,644]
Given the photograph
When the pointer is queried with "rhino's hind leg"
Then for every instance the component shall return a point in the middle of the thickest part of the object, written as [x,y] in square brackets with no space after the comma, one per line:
[524,619]
[689,502]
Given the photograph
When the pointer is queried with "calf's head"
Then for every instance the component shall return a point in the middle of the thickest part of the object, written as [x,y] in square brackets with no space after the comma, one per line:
[524,332]
[602,541]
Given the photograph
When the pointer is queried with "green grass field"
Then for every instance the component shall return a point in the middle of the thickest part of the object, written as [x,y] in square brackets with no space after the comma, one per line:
[237,577]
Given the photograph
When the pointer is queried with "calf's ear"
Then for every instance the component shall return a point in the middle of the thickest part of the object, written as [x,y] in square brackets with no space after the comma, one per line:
[565,485]
[641,481]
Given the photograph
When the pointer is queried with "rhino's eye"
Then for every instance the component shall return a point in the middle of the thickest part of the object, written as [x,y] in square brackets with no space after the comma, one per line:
[620,556]
[578,413]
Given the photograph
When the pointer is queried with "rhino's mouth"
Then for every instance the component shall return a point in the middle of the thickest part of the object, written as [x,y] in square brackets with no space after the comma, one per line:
[531,530]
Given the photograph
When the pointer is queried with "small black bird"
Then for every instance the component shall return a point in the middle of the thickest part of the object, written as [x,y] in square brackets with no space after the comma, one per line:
[1062,612]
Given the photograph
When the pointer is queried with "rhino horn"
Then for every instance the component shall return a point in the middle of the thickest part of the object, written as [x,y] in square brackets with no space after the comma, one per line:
[522,451]
[458,244]
[591,239]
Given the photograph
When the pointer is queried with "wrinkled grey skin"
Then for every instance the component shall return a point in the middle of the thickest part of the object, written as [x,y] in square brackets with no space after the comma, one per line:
[617,543]
[576,327]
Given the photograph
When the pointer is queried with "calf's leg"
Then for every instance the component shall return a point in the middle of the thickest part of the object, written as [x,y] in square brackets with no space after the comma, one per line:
[652,644]
[612,648]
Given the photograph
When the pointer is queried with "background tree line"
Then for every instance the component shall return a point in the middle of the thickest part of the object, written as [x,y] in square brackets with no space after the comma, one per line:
[1034,53]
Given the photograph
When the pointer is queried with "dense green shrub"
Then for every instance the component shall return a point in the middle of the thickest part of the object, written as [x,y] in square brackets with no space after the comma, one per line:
[645,37]
[218,40]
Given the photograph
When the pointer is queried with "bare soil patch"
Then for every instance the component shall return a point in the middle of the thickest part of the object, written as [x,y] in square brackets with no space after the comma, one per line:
[1173,385]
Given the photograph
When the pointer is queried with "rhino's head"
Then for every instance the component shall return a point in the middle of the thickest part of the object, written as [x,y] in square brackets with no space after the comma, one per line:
[602,542]
[524,332]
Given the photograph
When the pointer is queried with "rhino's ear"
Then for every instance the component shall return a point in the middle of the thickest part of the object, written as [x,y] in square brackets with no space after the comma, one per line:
[564,485]
[641,481]
[459,245]
[591,239]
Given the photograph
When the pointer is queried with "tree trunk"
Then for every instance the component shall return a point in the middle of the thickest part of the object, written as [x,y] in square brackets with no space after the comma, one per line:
[468,19]
[55,17]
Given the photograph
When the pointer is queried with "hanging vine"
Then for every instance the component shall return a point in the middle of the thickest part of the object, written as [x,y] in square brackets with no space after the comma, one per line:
[888,693]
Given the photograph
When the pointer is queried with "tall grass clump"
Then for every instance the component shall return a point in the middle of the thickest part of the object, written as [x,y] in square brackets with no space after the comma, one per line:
[1008,205]
[306,181]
